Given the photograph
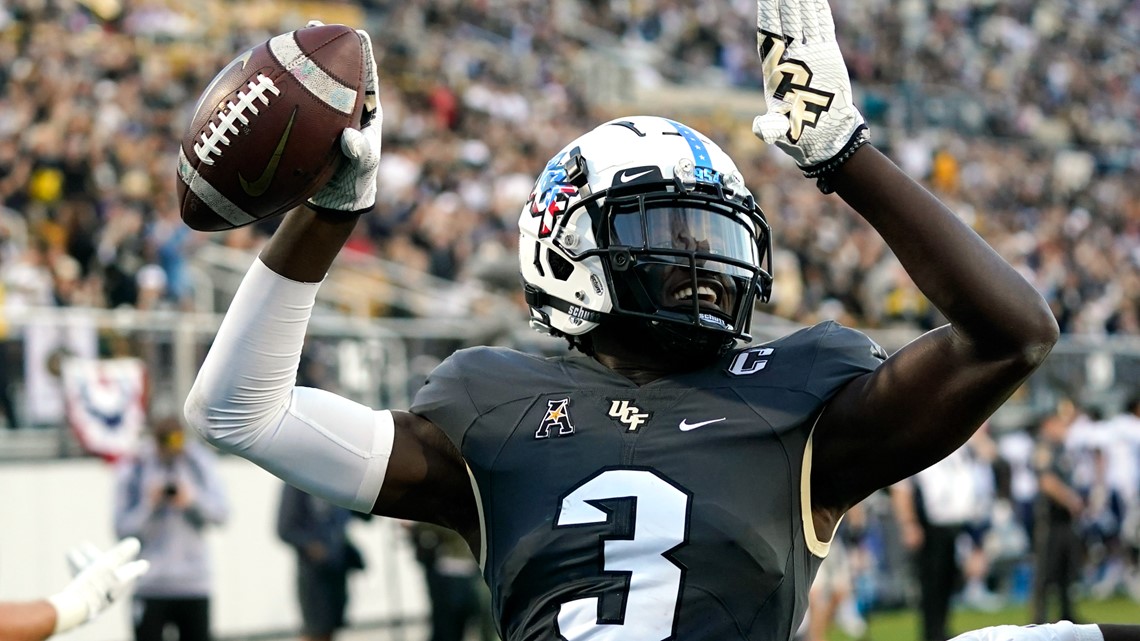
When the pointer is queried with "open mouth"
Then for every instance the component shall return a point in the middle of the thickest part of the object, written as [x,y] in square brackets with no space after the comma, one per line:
[685,294]
[709,294]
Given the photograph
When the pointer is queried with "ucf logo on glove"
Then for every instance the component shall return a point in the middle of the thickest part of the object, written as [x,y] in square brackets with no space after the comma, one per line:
[794,85]
[810,116]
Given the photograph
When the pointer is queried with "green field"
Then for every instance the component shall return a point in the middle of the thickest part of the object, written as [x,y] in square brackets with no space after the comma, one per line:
[902,625]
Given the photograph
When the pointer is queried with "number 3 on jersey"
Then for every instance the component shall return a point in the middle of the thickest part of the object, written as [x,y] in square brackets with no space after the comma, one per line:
[660,525]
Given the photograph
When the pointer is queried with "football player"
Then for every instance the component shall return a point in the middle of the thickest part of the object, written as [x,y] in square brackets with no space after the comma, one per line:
[101,577]
[667,479]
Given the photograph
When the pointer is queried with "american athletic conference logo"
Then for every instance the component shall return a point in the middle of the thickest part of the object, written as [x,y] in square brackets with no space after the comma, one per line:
[556,420]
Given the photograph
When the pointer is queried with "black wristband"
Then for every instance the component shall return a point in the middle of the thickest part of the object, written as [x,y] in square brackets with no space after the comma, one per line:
[822,171]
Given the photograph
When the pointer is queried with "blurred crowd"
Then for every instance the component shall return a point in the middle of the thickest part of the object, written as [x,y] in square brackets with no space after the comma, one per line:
[1045,517]
[1019,114]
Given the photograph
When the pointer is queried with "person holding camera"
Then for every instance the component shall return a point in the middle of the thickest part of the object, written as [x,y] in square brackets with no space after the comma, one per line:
[166,496]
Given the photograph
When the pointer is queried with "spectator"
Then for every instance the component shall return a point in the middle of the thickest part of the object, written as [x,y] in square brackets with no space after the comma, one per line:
[1015,447]
[831,599]
[1005,543]
[27,278]
[318,532]
[1100,530]
[933,508]
[976,564]
[1123,472]
[1058,507]
[454,585]
[166,496]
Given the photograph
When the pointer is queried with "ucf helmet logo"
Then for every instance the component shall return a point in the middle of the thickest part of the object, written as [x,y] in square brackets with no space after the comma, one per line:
[551,196]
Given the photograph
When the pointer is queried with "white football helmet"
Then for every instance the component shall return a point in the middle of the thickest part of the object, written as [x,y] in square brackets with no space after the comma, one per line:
[644,218]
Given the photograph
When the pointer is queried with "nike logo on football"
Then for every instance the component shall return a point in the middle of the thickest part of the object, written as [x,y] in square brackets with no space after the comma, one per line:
[686,425]
[624,178]
[261,185]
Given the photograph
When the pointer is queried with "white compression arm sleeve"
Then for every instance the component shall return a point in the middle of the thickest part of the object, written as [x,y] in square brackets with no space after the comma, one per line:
[1059,631]
[245,399]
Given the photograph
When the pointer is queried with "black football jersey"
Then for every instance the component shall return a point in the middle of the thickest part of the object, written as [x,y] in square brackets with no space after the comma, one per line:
[673,510]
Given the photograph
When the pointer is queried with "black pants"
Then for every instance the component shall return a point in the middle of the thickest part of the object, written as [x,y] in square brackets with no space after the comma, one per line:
[1056,559]
[938,578]
[454,605]
[322,593]
[191,617]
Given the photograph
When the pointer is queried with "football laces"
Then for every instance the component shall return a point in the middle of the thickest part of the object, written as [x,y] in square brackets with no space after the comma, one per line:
[225,123]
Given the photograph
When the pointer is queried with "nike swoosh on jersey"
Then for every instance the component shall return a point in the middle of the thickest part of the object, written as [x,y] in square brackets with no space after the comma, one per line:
[261,185]
[624,178]
[686,425]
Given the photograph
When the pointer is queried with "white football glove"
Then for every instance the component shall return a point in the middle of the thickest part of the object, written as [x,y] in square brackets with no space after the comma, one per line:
[353,187]
[1059,631]
[100,579]
[810,114]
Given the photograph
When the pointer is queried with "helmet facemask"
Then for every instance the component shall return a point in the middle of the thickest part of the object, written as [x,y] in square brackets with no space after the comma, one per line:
[687,260]
[644,229]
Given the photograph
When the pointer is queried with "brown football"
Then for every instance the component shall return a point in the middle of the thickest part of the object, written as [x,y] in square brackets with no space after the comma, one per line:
[265,135]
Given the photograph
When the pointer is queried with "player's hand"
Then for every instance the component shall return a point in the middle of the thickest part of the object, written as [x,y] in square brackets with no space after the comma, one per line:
[352,189]
[100,579]
[810,114]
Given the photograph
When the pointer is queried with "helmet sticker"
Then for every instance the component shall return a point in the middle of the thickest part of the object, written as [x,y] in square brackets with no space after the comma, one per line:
[707,175]
[700,152]
[596,283]
[551,195]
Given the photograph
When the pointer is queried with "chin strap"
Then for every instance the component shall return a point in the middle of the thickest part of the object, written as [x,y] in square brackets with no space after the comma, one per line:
[538,299]
[695,344]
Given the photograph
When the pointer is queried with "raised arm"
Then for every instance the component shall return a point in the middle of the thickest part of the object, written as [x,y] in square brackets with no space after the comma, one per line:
[426,479]
[930,396]
[245,399]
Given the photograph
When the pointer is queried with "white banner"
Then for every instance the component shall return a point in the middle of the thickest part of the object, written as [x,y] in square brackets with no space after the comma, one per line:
[106,403]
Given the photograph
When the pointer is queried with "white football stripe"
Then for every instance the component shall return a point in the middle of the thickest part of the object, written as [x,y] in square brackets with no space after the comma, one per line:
[221,205]
[331,91]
